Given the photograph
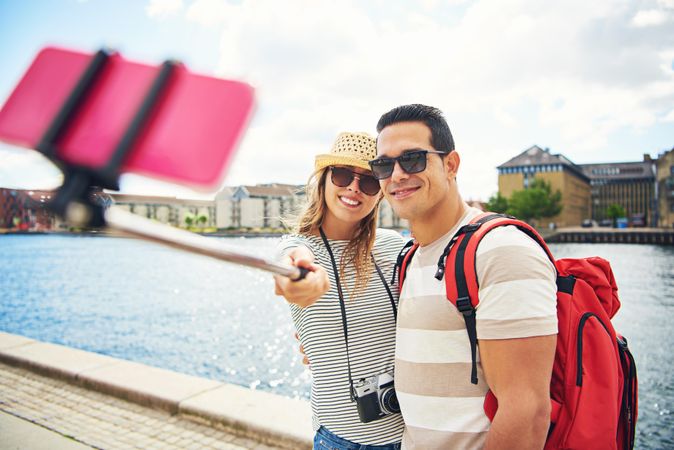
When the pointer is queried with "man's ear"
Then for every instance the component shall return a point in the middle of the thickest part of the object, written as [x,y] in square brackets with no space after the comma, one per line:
[452,163]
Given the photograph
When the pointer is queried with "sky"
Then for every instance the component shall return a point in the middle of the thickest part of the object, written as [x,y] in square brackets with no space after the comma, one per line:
[592,80]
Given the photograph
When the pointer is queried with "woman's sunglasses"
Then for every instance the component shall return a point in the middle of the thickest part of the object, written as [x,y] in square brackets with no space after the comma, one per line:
[413,161]
[342,177]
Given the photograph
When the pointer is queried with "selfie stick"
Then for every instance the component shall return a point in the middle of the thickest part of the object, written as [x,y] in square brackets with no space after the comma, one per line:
[74,200]
[134,225]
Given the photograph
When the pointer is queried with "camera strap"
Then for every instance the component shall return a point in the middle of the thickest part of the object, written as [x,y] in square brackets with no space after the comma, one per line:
[342,305]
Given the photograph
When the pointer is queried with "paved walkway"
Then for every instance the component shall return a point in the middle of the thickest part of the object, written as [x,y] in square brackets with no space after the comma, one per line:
[80,418]
[19,434]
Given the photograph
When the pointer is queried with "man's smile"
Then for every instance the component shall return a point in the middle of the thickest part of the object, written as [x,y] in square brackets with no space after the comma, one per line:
[401,192]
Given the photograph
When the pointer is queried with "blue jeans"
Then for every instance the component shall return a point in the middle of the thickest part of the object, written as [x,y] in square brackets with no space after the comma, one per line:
[324,440]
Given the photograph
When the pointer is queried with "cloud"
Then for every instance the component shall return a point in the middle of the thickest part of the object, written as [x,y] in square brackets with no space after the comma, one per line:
[650,18]
[669,117]
[209,12]
[27,169]
[568,75]
[159,9]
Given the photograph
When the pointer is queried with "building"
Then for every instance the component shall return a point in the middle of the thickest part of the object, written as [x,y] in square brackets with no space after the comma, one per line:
[224,217]
[388,218]
[665,189]
[169,210]
[263,206]
[24,210]
[628,184]
[254,207]
[562,174]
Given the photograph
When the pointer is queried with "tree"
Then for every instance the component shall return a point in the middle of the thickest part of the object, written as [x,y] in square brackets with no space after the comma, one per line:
[189,220]
[614,211]
[202,219]
[536,202]
[497,203]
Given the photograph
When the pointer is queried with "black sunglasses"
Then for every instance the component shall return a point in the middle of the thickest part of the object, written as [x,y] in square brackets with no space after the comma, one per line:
[412,161]
[343,177]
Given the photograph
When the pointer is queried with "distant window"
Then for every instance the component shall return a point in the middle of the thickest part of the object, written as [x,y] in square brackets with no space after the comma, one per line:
[671,170]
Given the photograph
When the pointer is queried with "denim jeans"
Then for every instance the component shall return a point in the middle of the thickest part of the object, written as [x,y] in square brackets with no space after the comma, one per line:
[324,440]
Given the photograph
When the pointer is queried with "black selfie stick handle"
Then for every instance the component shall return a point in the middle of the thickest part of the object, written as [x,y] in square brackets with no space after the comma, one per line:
[303,273]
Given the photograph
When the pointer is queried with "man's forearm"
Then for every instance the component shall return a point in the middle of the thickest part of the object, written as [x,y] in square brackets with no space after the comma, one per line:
[523,426]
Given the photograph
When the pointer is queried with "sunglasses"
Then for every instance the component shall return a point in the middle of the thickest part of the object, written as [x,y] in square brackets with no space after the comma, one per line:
[413,161]
[342,177]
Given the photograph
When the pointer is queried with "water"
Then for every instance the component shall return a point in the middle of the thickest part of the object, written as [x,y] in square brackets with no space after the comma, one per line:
[138,301]
[147,303]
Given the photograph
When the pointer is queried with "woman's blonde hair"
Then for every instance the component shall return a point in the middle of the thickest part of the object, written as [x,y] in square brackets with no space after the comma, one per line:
[360,246]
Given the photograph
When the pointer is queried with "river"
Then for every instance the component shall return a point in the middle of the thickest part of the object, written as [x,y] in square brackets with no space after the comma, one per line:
[138,301]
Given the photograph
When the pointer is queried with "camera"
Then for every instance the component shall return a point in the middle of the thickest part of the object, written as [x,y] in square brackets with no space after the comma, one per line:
[375,397]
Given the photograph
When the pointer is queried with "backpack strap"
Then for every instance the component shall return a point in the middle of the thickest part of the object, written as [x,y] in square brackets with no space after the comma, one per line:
[403,262]
[459,259]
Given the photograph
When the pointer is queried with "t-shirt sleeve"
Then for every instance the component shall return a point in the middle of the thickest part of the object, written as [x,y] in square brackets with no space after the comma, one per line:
[518,292]
[290,241]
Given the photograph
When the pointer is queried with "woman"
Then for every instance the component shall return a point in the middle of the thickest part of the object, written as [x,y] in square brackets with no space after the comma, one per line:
[344,310]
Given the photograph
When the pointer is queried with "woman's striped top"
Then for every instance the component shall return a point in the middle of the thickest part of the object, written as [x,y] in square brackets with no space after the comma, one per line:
[371,331]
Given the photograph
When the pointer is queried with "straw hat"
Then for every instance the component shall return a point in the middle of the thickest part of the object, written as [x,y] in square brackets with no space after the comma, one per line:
[350,149]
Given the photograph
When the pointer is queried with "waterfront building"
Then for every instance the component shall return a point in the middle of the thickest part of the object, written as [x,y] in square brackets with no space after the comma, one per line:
[223,208]
[589,189]
[535,162]
[24,210]
[169,210]
[665,189]
[628,184]
[263,205]
[388,218]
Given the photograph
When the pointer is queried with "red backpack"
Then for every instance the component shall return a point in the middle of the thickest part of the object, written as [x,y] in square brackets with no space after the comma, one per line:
[593,390]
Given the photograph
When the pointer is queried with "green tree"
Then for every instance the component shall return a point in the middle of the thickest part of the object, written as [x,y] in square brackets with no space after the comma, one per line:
[189,221]
[497,203]
[614,211]
[536,202]
[202,219]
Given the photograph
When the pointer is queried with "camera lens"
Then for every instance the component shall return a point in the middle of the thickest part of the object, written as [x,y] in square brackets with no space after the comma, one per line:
[389,401]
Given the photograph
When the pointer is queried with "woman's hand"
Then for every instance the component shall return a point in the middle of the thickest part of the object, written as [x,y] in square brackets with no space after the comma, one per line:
[307,291]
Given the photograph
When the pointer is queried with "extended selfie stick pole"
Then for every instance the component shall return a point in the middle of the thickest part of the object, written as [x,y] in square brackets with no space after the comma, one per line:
[74,201]
[137,226]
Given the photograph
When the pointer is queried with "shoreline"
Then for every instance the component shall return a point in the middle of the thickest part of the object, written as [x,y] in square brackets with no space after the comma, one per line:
[257,415]
[102,233]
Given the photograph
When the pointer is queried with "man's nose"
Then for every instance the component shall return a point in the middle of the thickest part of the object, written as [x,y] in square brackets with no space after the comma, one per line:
[398,173]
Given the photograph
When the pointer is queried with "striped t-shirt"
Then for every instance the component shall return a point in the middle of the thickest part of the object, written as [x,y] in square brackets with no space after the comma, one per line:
[517,292]
[371,331]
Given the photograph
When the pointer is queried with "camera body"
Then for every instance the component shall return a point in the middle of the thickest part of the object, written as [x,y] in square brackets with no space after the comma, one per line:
[375,397]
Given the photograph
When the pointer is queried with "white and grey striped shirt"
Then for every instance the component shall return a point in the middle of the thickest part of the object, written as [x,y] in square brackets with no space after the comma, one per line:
[371,331]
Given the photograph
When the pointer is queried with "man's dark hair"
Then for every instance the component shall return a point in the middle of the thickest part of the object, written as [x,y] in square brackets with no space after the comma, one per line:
[441,137]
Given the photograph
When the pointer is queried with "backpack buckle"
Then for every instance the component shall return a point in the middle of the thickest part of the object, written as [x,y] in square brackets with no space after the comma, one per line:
[468,228]
[464,306]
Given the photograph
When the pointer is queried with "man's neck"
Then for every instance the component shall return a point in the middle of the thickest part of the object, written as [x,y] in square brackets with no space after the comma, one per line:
[438,222]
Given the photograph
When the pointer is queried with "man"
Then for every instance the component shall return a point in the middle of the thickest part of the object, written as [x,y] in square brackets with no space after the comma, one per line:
[516,316]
